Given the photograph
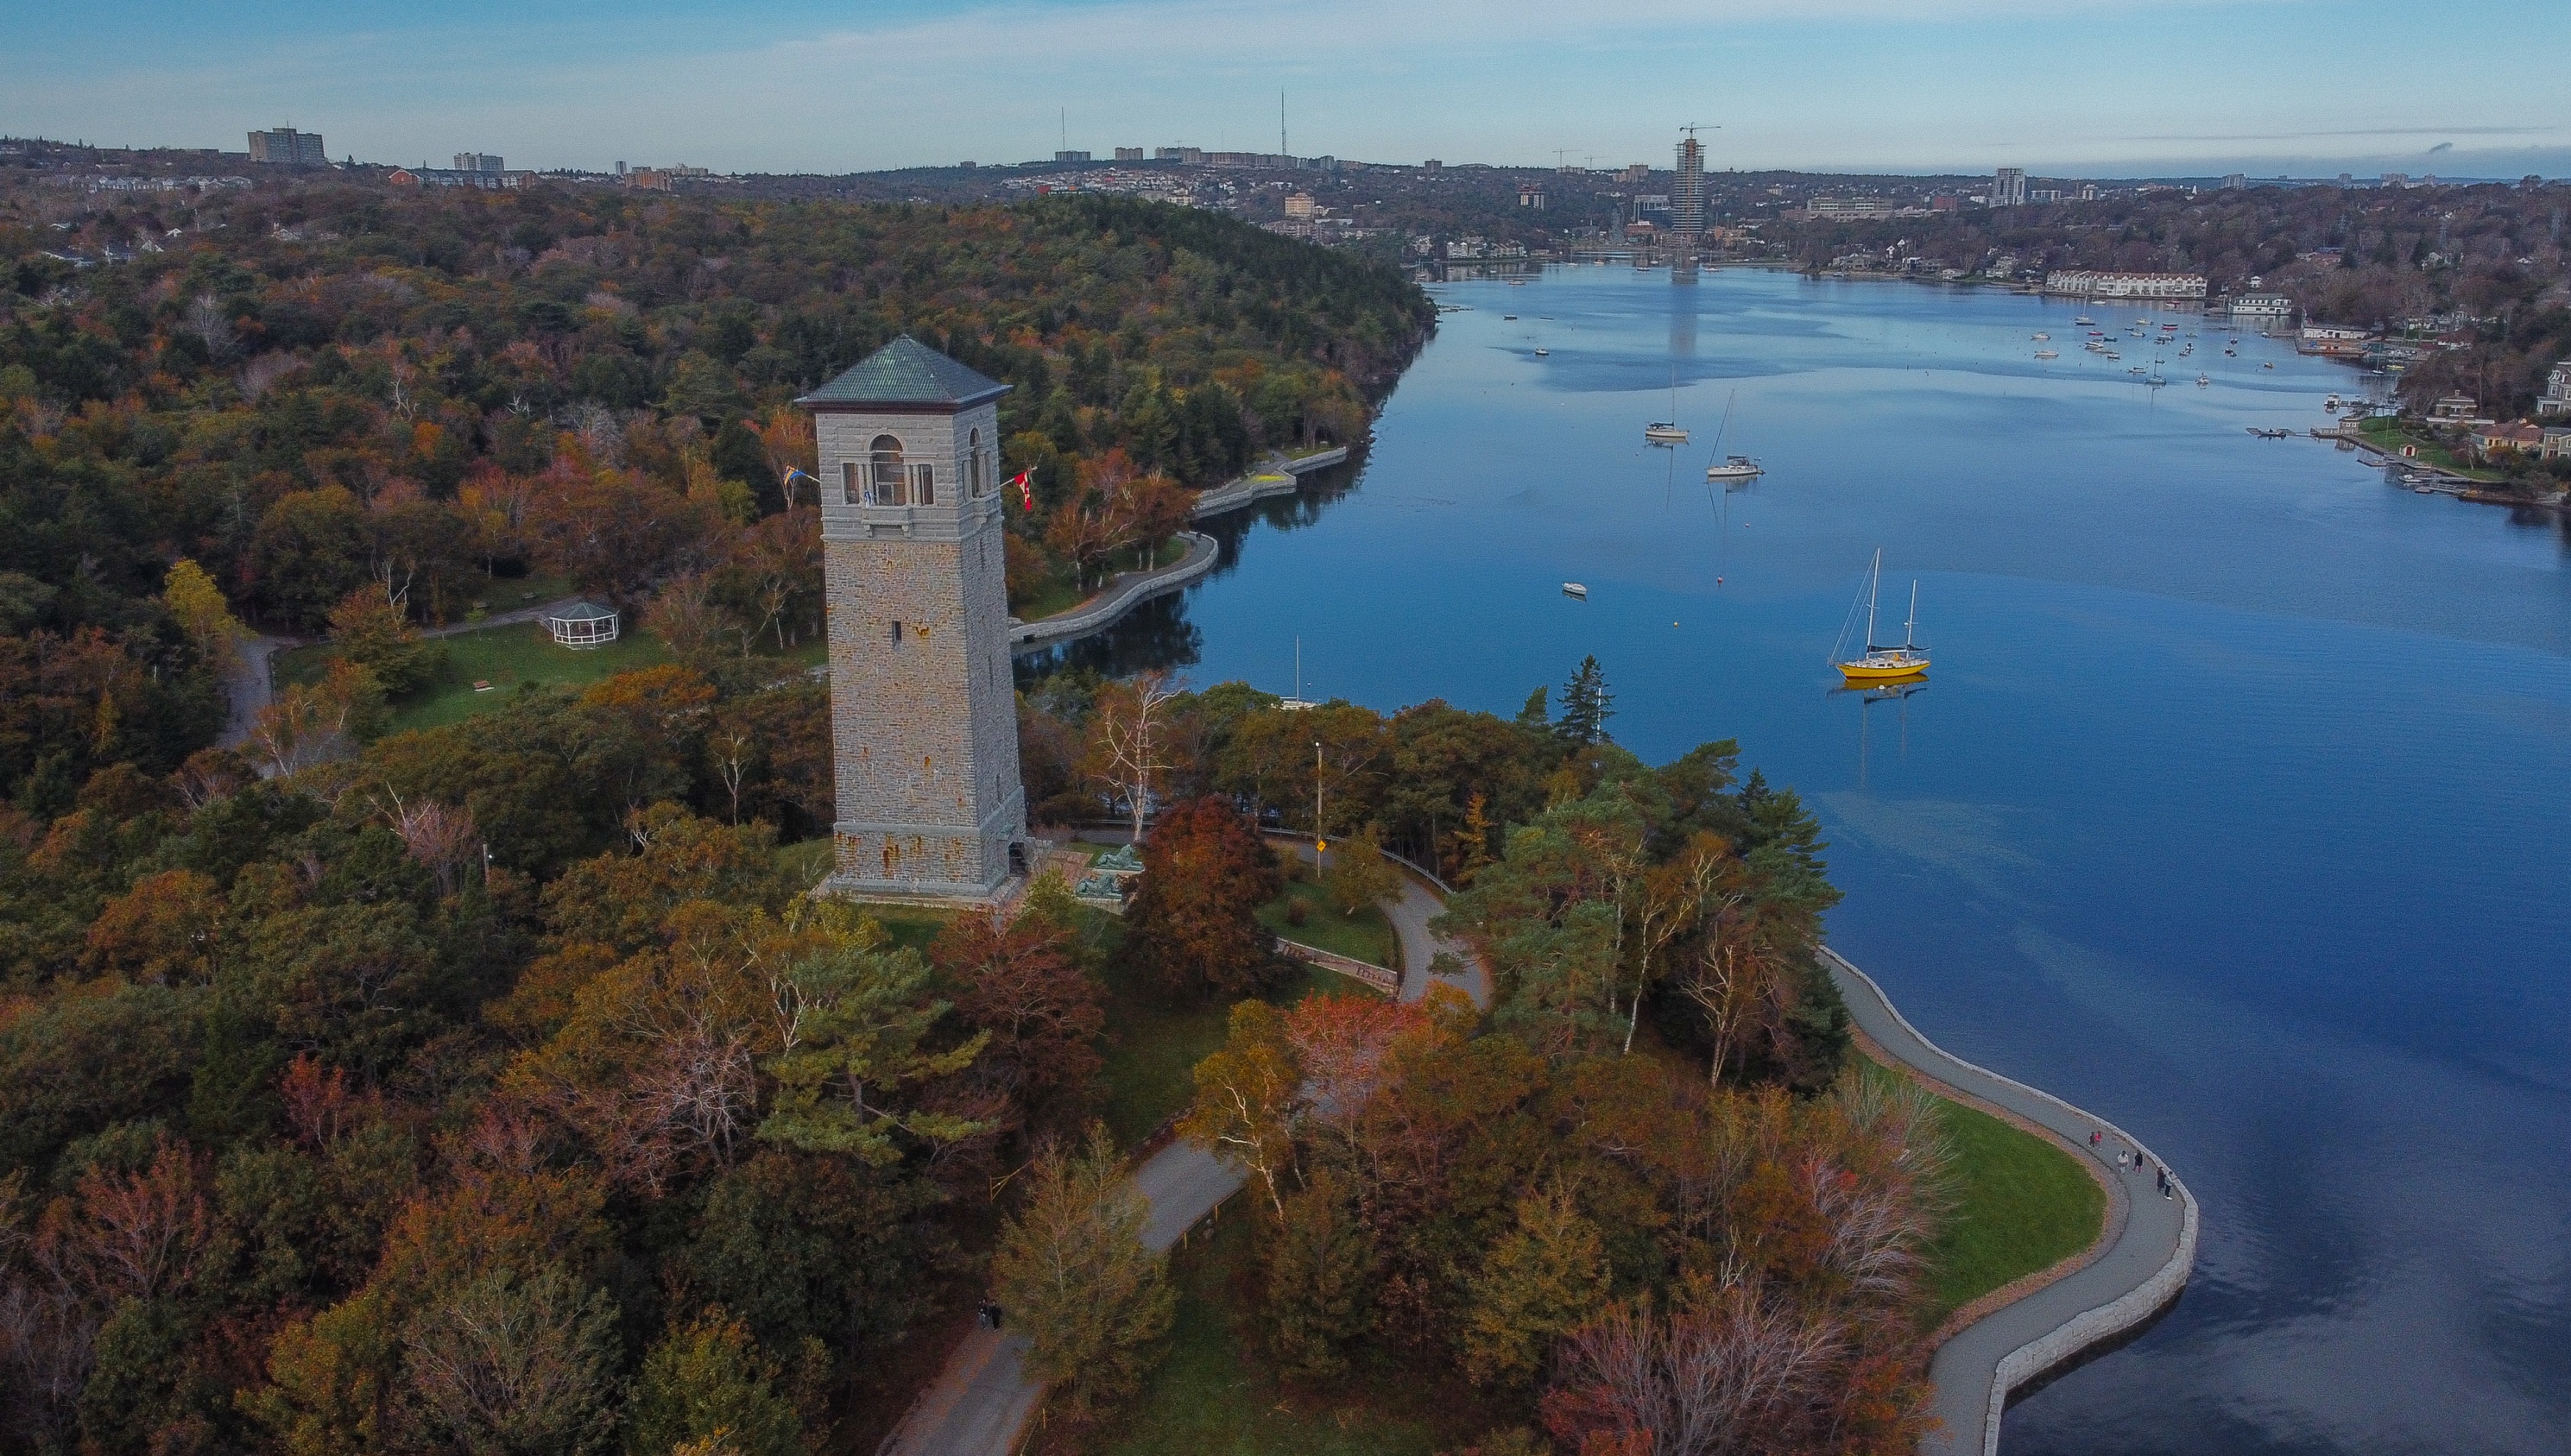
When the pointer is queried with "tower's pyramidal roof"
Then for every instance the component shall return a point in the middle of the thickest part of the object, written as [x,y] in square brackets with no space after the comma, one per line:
[907,371]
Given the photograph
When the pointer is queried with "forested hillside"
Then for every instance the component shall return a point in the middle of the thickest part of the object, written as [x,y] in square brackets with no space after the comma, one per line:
[2484,266]
[323,392]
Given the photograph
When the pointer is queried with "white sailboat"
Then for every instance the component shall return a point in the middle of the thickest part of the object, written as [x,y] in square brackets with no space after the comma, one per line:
[1737,467]
[1668,431]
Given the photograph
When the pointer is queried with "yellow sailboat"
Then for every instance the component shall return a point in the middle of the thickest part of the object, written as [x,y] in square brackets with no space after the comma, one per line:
[1880,663]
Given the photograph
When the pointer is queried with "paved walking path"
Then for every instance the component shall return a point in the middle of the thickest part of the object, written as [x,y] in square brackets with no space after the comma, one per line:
[981,1402]
[247,684]
[2141,1270]
[1127,591]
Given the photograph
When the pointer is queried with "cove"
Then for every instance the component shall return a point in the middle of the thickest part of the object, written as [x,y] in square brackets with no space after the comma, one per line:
[2232,810]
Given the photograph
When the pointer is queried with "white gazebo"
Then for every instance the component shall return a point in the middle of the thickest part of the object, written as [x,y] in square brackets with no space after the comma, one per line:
[582,623]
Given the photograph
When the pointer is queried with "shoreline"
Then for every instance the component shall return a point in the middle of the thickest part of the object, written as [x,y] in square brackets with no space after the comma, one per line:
[1132,589]
[2018,1335]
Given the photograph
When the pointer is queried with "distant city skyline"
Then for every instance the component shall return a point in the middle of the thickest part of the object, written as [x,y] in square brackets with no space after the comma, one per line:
[2074,87]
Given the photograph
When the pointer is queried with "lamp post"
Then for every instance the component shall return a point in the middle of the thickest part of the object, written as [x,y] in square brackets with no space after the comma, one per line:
[1320,845]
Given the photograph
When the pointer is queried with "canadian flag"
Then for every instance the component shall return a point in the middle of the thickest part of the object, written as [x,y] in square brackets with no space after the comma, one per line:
[1026,492]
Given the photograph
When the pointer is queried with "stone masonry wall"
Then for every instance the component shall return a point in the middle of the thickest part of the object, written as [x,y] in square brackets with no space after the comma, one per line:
[923,710]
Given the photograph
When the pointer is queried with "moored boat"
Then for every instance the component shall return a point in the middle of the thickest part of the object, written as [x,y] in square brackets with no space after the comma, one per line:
[1738,467]
[1575,589]
[1880,663]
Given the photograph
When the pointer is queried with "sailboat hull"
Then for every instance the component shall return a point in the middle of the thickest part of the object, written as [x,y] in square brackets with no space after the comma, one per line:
[1885,669]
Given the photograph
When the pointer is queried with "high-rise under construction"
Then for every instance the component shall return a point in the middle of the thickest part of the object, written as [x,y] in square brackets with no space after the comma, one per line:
[1686,193]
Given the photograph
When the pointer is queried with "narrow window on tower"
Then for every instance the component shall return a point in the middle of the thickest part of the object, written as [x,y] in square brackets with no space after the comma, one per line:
[847,482]
[923,485]
[886,469]
[981,484]
[897,633]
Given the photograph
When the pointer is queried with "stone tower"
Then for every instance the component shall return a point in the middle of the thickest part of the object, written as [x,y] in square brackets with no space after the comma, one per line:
[923,710]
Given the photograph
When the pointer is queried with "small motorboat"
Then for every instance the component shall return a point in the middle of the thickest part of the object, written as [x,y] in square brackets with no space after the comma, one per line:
[1738,467]
[2201,381]
[1542,352]
[1511,317]
[2043,336]
[2268,365]
[2330,404]
[1575,589]
[2047,354]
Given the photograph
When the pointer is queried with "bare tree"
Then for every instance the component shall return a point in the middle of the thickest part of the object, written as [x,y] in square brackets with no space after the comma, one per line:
[436,836]
[207,322]
[1727,1373]
[1128,751]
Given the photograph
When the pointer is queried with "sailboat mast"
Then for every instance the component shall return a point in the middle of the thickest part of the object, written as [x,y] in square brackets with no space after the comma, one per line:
[1911,626]
[1873,583]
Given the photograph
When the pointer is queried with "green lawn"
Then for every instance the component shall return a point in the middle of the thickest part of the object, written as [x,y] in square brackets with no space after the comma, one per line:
[2388,434]
[1365,936]
[1154,1041]
[1215,1393]
[805,863]
[2021,1205]
[504,657]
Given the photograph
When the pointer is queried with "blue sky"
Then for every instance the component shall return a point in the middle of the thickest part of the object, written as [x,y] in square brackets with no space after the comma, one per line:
[2079,87]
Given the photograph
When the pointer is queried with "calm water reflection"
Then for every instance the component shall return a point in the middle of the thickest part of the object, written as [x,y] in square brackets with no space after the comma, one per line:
[2234,808]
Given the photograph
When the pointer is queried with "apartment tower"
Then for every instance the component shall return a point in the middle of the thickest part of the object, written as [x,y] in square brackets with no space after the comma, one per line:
[1687,193]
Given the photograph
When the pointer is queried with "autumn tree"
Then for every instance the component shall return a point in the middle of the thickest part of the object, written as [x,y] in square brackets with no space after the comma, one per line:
[1357,877]
[1018,980]
[162,929]
[513,1365]
[1073,1274]
[1194,920]
[709,1380]
[202,613]
[373,633]
[1544,1276]
[1249,1095]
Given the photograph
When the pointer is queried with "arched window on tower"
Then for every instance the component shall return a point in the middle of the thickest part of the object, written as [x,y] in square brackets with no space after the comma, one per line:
[887,485]
[981,481]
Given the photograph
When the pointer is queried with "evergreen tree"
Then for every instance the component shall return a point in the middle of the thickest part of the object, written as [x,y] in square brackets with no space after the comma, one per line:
[1536,712]
[1540,1281]
[1321,1278]
[1073,1274]
[1586,705]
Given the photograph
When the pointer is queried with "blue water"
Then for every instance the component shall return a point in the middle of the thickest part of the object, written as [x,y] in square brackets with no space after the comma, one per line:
[2234,808]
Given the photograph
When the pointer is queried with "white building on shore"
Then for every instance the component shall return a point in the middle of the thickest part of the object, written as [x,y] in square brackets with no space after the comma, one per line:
[2085,283]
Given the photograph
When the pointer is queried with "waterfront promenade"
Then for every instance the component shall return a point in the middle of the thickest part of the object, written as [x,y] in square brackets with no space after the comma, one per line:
[1277,476]
[2136,1269]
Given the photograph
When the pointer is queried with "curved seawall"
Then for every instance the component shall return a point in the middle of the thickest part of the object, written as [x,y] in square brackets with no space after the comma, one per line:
[2105,1291]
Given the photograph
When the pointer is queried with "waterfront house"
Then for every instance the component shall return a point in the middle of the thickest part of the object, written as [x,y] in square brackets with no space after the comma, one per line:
[2557,443]
[2557,392]
[2462,410]
[2493,440]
